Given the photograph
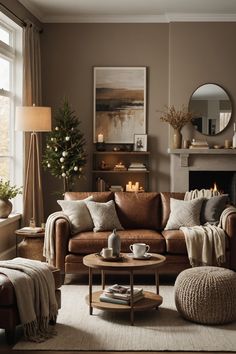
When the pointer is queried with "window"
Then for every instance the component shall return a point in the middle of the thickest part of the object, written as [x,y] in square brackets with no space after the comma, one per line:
[11,142]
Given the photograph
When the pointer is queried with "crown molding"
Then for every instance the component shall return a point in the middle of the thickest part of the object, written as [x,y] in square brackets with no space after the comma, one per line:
[106,19]
[191,17]
[33,9]
[165,18]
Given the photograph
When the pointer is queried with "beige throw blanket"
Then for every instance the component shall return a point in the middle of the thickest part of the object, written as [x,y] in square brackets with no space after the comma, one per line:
[49,238]
[202,193]
[35,294]
[206,244]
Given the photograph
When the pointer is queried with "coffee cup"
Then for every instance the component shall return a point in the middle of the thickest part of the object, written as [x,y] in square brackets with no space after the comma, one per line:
[107,252]
[139,249]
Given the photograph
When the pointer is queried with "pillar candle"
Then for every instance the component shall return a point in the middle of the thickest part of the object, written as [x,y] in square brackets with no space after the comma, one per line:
[100,138]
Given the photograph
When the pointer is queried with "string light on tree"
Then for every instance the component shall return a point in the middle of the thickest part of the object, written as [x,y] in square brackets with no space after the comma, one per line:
[65,145]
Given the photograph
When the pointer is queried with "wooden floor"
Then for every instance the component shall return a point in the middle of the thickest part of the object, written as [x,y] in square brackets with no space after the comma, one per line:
[7,349]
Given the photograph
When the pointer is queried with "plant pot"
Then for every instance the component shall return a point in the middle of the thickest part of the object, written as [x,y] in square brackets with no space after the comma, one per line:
[5,208]
[177,139]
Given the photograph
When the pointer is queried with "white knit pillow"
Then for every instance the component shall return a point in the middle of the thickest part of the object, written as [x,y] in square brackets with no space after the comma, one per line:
[78,214]
[184,213]
[104,216]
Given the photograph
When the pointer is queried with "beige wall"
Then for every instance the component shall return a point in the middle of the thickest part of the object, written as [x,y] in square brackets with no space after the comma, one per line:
[179,57]
[202,53]
[69,53]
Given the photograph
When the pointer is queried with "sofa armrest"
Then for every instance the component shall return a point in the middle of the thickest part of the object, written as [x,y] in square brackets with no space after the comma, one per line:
[62,236]
[230,229]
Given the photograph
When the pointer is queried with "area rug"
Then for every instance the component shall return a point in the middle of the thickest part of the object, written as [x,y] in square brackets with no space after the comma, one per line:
[162,330]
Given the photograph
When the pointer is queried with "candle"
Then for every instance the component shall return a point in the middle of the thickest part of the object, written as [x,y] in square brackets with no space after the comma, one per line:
[100,138]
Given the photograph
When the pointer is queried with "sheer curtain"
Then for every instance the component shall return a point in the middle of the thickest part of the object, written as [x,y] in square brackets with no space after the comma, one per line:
[32,93]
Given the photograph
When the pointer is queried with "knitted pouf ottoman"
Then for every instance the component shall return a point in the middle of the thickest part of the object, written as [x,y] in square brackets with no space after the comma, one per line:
[206,295]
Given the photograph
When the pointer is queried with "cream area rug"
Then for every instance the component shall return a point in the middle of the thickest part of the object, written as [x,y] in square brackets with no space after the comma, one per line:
[152,331]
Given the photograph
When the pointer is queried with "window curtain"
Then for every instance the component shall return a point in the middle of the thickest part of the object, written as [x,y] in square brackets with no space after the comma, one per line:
[32,94]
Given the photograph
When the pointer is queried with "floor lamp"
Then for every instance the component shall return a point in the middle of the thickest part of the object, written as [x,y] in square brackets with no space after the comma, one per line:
[33,119]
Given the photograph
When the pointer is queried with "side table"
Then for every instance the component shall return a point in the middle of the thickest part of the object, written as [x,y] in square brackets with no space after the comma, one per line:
[31,246]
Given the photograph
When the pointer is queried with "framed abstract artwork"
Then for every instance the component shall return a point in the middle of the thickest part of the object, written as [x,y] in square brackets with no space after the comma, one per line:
[119,104]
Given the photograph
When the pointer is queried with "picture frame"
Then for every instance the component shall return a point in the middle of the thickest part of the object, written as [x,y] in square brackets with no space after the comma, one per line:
[119,107]
[140,142]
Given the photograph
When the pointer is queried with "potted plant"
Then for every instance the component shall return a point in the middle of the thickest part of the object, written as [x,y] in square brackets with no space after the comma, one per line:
[7,192]
[177,119]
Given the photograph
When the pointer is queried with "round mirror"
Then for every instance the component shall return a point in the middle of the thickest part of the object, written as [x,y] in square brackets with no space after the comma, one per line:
[212,109]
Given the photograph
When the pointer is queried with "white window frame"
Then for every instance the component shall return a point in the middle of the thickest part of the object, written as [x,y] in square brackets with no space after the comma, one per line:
[13,52]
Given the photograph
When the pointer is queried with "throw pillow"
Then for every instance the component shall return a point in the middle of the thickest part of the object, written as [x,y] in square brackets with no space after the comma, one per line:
[78,214]
[104,216]
[212,208]
[184,213]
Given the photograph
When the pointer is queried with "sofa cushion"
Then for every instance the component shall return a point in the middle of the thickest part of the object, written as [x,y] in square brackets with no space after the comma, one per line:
[104,216]
[139,210]
[175,241]
[212,208]
[90,242]
[78,214]
[102,197]
[165,200]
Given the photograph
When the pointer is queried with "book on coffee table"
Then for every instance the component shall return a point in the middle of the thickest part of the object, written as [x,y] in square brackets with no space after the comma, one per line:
[113,300]
[120,294]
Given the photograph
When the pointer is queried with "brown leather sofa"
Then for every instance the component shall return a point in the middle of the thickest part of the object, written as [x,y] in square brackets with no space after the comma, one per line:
[143,216]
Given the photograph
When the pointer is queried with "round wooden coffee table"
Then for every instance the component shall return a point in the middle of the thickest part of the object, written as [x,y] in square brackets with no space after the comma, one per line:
[126,264]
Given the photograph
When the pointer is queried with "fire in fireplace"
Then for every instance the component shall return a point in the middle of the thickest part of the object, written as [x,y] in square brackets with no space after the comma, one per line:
[224,181]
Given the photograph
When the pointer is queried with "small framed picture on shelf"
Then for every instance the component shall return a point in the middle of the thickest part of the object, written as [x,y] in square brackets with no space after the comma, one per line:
[140,142]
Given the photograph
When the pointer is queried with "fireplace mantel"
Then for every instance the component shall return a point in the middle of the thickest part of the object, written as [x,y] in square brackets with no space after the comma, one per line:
[185,160]
[184,153]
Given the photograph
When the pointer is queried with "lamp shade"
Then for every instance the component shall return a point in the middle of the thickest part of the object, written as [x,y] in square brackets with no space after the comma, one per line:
[33,119]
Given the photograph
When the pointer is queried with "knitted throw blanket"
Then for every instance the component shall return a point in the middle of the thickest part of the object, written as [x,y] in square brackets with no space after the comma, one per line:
[202,193]
[49,238]
[205,245]
[35,294]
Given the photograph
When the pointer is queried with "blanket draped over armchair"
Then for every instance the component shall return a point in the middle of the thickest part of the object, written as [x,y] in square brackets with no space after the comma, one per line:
[35,294]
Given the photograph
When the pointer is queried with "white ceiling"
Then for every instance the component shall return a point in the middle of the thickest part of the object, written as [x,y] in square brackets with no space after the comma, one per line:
[131,10]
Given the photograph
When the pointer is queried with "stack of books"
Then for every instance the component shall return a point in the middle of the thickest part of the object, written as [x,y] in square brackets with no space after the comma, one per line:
[137,166]
[199,144]
[118,294]
[30,230]
[115,188]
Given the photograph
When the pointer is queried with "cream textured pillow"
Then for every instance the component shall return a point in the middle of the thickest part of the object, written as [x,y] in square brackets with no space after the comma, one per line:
[104,216]
[184,213]
[78,214]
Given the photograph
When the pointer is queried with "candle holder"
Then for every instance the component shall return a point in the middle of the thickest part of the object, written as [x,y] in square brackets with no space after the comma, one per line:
[100,146]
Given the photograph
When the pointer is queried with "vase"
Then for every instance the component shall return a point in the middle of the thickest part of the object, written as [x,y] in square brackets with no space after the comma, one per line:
[114,243]
[5,208]
[177,139]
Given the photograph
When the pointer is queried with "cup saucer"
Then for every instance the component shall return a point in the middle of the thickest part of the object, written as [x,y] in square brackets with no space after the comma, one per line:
[145,256]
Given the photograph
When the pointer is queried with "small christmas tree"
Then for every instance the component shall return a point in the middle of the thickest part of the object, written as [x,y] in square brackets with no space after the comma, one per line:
[65,155]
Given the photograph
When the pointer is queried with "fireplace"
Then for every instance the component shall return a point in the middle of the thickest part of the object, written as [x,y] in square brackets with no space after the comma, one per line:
[225,181]
[197,169]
